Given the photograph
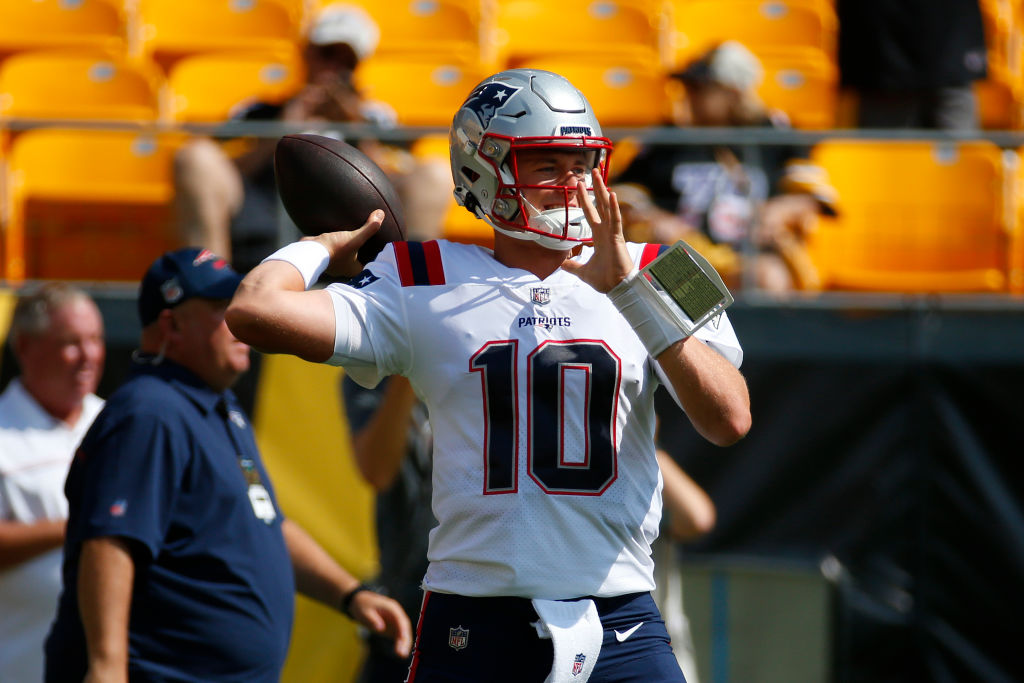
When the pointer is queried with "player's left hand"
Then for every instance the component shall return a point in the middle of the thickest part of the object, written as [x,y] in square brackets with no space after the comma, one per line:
[611,262]
[383,616]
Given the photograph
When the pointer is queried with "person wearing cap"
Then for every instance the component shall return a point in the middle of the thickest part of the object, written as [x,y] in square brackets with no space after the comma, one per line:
[57,338]
[178,562]
[225,193]
[717,195]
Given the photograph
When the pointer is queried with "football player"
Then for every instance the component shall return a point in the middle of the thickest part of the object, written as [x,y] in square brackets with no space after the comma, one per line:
[538,363]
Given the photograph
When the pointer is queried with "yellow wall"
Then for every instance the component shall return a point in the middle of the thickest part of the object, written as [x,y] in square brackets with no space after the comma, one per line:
[302,434]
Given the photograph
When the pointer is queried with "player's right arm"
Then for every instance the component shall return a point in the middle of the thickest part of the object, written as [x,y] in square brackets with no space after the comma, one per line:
[105,575]
[272,311]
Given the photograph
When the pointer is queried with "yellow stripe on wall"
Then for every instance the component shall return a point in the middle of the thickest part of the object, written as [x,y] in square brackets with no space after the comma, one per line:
[304,440]
[7,300]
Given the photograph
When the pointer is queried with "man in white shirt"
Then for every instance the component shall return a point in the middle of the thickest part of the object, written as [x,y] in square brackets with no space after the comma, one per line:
[57,339]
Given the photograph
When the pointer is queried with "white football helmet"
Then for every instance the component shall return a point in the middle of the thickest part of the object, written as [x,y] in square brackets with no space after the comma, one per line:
[511,111]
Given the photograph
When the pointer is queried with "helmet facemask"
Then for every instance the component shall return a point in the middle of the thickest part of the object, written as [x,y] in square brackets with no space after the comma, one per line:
[557,224]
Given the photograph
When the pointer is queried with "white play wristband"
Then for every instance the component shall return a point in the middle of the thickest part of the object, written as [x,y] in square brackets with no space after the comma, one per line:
[655,327]
[309,258]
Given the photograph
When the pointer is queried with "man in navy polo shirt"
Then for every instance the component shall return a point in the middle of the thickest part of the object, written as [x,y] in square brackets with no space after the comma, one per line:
[178,563]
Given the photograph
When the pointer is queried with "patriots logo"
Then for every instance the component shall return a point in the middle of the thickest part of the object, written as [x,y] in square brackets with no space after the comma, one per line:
[364,278]
[488,99]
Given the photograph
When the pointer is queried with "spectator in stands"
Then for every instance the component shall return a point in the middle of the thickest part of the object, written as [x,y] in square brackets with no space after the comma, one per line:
[761,201]
[57,339]
[912,63]
[229,204]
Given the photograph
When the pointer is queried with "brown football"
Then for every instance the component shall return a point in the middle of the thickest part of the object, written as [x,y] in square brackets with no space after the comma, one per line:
[327,185]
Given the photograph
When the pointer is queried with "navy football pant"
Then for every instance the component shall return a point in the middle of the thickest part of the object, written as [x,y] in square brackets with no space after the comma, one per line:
[491,640]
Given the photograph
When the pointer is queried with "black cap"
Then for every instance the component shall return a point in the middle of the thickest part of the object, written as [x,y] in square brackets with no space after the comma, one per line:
[180,275]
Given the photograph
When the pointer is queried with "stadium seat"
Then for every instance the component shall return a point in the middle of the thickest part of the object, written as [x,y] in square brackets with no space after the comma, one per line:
[1001,93]
[698,25]
[47,24]
[622,93]
[459,30]
[206,88]
[917,216]
[421,91]
[804,83]
[88,204]
[78,85]
[528,29]
[172,29]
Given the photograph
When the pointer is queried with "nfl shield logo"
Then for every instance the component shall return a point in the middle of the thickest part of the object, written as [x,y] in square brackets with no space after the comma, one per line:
[541,295]
[577,665]
[458,637]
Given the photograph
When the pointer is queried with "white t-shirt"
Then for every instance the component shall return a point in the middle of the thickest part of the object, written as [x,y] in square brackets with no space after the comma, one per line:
[35,453]
[541,402]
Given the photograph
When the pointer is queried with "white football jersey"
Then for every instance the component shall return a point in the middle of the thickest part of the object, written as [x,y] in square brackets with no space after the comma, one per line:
[541,403]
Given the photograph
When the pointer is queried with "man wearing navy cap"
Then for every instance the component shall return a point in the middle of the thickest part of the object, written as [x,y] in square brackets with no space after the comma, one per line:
[178,563]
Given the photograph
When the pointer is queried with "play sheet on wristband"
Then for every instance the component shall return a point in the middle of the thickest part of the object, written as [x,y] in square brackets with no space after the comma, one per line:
[686,286]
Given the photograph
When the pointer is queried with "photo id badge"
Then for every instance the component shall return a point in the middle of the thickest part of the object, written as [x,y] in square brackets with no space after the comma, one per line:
[262,506]
[686,286]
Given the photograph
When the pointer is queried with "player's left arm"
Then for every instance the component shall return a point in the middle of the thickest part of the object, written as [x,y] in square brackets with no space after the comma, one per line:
[319,577]
[708,387]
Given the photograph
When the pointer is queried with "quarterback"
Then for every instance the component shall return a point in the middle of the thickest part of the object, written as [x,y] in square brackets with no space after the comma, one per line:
[537,362]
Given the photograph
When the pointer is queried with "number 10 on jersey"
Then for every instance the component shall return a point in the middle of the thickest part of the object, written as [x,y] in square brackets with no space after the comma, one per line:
[550,409]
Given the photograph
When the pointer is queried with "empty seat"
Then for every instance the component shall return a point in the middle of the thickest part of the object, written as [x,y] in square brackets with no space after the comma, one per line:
[917,216]
[47,24]
[528,29]
[804,83]
[78,85]
[88,204]
[207,88]
[421,91]
[697,25]
[172,29]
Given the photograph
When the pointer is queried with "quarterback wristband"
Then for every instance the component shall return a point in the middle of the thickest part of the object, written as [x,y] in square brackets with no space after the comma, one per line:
[657,330]
[346,601]
[309,258]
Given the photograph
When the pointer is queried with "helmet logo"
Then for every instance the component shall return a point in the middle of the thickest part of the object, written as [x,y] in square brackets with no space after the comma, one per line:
[486,100]
[576,130]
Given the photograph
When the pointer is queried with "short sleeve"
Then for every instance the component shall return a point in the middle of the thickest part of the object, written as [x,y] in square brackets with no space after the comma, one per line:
[371,339]
[128,478]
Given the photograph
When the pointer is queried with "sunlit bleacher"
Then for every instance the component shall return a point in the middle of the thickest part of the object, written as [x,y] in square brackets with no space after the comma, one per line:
[156,65]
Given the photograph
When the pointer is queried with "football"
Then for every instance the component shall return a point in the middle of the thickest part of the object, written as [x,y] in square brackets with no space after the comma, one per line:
[326,185]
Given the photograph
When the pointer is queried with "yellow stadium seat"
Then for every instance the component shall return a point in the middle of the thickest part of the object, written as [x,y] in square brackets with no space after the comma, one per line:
[47,24]
[698,25]
[622,93]
[804,83]
[422,92]
[453,29]
[207,88]
[172,29]
[528,29]
[78,85]
[917,216]
[88,204]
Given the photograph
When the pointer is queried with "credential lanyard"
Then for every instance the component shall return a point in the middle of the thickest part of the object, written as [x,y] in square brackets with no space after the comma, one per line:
[259,497]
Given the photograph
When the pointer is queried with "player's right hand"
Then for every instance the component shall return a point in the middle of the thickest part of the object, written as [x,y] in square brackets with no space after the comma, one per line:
[343,245]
